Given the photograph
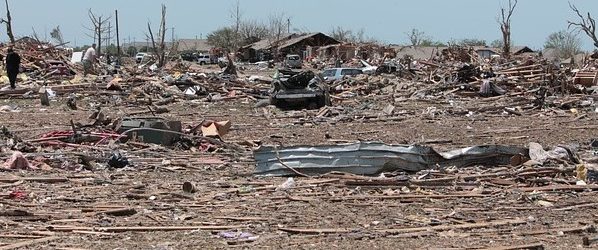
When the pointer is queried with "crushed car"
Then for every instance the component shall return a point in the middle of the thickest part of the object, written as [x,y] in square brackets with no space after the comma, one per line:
[299,90]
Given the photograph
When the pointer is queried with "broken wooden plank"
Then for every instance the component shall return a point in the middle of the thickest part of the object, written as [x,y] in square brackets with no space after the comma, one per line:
[560,188]
[564,230]
[315,230]
[453,227]
[28,243]
[62,228]
[535,246]
[241,218]
[119,212]
[399,197]
[37,179]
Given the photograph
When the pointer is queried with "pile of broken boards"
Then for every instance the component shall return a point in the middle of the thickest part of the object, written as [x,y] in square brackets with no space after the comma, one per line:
[42,59]
[461,73]
[116,143]
[374,163]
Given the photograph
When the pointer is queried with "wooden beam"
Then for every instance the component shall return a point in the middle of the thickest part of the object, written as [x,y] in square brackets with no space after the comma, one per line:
[452,227]
[535,246]
[28,243]
[140,229]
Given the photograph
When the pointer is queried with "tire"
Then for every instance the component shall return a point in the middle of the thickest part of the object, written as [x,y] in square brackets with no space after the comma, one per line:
[202,63]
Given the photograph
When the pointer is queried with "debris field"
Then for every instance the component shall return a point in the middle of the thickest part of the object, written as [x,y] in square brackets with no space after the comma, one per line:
[186,156]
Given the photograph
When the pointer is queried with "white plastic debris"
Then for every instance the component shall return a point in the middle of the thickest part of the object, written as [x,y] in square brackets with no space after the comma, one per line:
[288,184]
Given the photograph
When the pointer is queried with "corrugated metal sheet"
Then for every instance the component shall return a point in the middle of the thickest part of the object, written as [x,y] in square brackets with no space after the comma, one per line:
[370,158]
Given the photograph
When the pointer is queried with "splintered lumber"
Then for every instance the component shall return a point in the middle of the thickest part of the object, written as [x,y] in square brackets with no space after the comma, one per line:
[399,197]
[119,212]
[62,228]
[316,230]
[241,218]
[452,227]
[582,229]
[28,243]
[405,230]
[19,236]
[535,246]
[560,188]
[576,206]
[12,184]
[37,179]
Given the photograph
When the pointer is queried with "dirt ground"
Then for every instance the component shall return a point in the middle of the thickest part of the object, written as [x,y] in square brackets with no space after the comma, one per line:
[230,199]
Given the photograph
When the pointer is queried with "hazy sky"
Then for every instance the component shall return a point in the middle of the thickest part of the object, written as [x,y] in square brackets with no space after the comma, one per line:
[385,20]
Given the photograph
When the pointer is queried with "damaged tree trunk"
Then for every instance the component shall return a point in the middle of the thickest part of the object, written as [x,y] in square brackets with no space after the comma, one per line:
[160,48]
[8,22]
[505,27]
[587,25]
[97,29]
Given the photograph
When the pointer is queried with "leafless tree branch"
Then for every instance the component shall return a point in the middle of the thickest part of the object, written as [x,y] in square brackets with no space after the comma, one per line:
[159,47]
[8,22]
[586,24]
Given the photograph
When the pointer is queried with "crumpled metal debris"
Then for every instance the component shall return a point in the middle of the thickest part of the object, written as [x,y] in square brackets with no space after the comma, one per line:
[372,158]
[540,156]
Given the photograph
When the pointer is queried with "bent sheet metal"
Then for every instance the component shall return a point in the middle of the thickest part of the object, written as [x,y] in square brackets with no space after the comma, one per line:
[371,158]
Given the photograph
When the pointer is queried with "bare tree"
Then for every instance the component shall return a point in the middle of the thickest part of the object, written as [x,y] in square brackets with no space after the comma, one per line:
[8,22]
[237,18]
[160,48]
[252,31]
[585,24]
[566,44]
[56,34]
[223,38]
[416,37]
[99,29]
[496,43]
[347,35]
[277,27]
[341,34]
[505,27]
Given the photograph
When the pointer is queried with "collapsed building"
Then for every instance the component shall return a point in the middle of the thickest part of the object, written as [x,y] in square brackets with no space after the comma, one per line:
[269,48]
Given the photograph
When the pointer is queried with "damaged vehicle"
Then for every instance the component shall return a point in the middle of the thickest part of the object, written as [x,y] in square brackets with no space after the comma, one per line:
[293,62]
[338,73]
[298,90]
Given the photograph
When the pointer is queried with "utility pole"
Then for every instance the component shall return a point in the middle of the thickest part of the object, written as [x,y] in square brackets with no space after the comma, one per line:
[288,26]
[109,37]
[117,36]
[172,38]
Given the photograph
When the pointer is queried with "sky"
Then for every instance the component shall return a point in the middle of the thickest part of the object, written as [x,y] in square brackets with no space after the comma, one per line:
[385,20]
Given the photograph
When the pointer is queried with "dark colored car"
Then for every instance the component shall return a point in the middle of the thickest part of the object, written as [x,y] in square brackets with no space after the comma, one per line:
[298,90]
[190,57]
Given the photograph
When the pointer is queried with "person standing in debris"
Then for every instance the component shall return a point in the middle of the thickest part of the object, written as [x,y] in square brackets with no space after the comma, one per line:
[13,63]
[89,58]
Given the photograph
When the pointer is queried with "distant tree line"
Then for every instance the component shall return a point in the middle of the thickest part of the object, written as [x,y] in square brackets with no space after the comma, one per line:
[243,31]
